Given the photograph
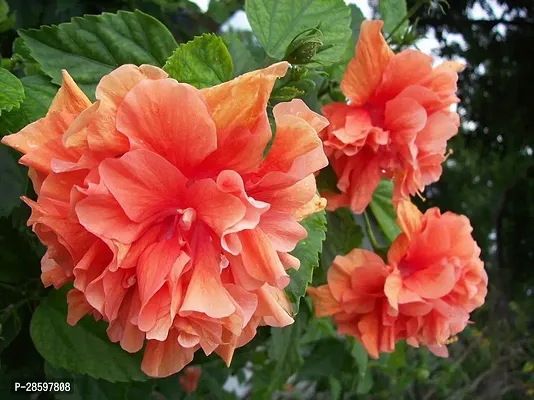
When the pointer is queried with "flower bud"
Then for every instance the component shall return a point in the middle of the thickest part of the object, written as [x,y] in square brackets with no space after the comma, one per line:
[303,48]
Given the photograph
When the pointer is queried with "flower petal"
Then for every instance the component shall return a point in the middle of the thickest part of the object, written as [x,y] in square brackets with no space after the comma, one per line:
[155,265]
[283,232]
[409,218]
[260,258]
[409,67]
[241,101]
[206,293]
[143,183]
[439,128]
[274,306]
[432,282]
[324,304]
[69,98]
[149,118]
[241,151]
[102,215]
[294,138]
[219,210]
[359,178]
[100,131]
[78,306]
[164,358]
[365,69]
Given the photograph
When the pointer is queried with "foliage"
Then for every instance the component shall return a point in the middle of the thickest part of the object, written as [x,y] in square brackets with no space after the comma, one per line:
[276,23]
[84,348]
[307,251]
[382,209]
[202,62]
[12,91]
[393,13]
[92,46]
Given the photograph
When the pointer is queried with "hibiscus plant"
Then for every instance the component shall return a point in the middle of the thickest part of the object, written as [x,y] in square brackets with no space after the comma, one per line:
[216,213]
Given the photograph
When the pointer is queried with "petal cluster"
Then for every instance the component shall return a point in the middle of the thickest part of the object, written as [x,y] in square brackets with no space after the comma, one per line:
[158,202]
[395,125]
[432,281]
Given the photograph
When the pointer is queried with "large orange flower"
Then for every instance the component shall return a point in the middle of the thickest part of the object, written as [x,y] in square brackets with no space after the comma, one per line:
[433,280]
[395,125]
[158,203]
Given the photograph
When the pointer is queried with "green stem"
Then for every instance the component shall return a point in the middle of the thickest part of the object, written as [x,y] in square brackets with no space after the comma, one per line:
[408,15]
[370,233]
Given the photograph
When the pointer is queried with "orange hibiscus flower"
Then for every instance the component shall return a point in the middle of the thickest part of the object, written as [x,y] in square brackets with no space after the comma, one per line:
[158,203]
[395,125]
[433,280]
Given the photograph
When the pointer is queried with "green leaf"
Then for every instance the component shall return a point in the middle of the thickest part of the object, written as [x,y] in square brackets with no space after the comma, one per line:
[337,70]
[365,384]
[307,251]
[356,19]
[277,22]
[392,12]
[335,388]
[10,325]
[383,211]
[84,348]
[343,234]
[13,121]
[210,384]
[13,182]
[319,328]
[360,356]
[327,357]
[284,358]
[12,92]
[242,58]
[20,49]
[39,95]
[6,21]
[23,60]
[201,62]
[169,388]
[397,359]
[92,46]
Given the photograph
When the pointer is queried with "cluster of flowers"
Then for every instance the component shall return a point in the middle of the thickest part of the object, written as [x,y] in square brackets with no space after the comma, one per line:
[396,125]
[158,203]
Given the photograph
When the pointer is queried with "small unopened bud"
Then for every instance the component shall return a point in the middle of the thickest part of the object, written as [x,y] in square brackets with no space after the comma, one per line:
[304,47]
